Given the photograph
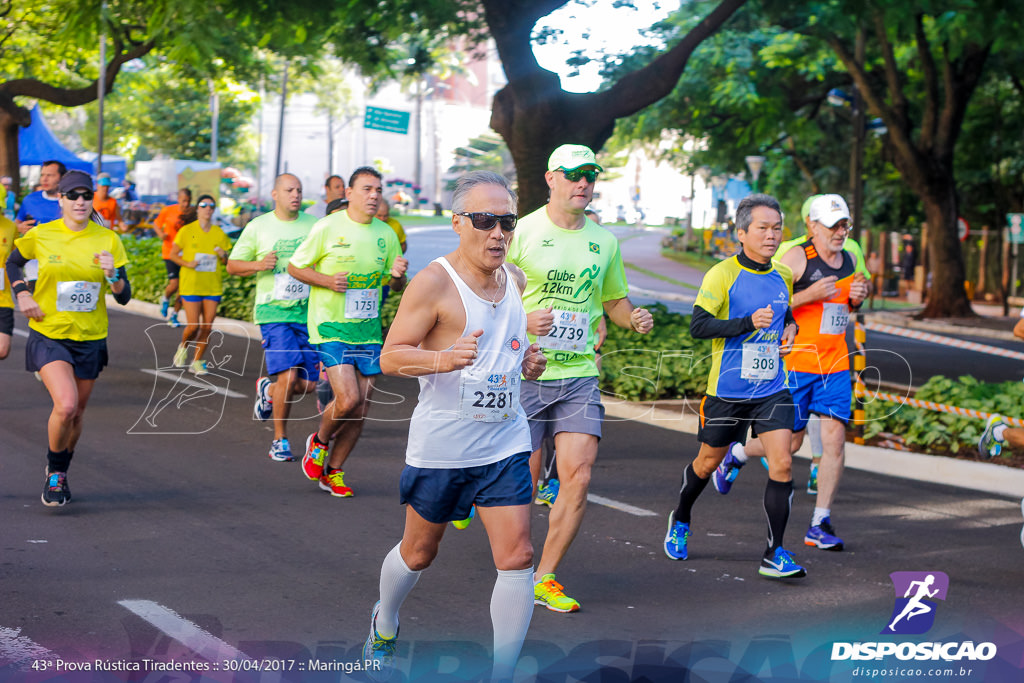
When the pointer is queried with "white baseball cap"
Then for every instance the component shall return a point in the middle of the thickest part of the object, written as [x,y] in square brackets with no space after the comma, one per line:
[829,209]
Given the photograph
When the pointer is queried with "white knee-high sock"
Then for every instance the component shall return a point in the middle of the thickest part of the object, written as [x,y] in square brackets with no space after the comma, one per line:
[511,610]
[396,582]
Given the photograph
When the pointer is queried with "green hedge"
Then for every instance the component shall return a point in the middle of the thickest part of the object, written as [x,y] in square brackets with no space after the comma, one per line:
[149,277]
[944,432]
[667,363]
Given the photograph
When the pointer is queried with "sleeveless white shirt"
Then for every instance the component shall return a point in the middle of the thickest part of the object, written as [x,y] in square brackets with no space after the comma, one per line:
[473,417]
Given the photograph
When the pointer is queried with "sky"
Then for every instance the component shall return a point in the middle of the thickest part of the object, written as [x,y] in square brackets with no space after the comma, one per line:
[615,29]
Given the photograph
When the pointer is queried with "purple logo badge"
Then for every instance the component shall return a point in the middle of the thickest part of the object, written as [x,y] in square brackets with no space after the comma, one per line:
[916,596]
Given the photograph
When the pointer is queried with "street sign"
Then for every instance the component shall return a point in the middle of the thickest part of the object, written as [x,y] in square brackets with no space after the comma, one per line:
[389,120]
[1015,221]
[963,228]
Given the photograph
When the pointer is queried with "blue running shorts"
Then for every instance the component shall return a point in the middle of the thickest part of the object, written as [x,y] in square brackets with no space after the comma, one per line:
[446,495]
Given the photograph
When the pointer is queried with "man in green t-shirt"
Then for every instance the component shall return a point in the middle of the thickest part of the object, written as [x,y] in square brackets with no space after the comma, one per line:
[574,274]
[263,250]
[345,260]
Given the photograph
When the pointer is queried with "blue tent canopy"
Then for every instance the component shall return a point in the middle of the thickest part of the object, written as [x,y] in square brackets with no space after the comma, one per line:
[37,144]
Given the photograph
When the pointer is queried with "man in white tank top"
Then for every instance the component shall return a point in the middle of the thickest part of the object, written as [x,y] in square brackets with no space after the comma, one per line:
[461,329]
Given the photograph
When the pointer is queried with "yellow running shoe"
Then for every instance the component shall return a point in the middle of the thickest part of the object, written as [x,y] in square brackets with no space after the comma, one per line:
[463,523]
[548,592]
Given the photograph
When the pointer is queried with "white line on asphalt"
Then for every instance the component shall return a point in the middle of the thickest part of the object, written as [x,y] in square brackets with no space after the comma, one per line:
[204,644]
[19,652]
[21,333]
[181,379]
[621,507]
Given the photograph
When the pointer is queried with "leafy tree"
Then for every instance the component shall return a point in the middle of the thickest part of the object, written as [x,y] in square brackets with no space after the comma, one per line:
[164,109]
[49,48]
[532,112]
[755,88]
[922,64]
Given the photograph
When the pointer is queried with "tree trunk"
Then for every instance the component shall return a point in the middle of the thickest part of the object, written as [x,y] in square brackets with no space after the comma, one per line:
[534,115]
[947,296]
[534,118]
[9,149]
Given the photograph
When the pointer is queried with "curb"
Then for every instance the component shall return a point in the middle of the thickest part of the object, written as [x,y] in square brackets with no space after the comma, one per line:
[235,328]
[940,328]
[936,469]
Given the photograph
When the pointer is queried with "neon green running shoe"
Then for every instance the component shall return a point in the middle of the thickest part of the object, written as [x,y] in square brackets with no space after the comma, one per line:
[548,592]
[461,524]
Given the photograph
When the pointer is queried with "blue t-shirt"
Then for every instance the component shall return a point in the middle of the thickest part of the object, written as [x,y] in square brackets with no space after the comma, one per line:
[39,207]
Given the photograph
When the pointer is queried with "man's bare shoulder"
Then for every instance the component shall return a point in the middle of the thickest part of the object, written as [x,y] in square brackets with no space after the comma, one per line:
[518,276]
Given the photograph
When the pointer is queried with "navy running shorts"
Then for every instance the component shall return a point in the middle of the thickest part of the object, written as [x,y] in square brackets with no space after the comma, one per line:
[446,495]
[87,358]
[6,320]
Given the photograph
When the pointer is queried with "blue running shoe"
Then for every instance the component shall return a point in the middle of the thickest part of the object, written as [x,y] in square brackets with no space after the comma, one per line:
[264,406]
[823,536]
[725,474]
[165,303]
[780,565]
[281,451]
[379,652]
[812,480]
[547,493]
[988,445]
[676,538]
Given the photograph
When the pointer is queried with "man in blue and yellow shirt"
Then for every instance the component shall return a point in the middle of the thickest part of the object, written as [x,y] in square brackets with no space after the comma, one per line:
[743,306]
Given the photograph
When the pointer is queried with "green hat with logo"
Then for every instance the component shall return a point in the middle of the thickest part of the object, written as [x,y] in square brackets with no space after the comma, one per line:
[571,157]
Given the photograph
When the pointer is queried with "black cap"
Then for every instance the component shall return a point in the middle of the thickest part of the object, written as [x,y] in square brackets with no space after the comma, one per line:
[335,205]
[74,179]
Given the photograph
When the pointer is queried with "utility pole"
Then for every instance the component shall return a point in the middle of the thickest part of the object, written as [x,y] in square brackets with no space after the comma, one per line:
[102,85]
[280,120]
[215,111]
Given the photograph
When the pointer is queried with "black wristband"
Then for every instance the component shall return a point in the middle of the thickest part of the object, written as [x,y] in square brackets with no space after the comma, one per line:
[19,287]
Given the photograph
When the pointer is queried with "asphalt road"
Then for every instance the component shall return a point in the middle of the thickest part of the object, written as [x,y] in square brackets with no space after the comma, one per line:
[184,543]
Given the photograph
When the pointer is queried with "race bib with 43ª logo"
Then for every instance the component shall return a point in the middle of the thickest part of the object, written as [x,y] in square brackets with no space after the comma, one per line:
[568,332]
[491,397]
[77,296]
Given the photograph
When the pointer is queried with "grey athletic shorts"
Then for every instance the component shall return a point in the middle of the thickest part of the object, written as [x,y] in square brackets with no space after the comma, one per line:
[562,405]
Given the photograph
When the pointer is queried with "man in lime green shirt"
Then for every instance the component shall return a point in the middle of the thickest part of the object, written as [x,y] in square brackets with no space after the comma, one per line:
[345,260]
[574,274]
[263,250]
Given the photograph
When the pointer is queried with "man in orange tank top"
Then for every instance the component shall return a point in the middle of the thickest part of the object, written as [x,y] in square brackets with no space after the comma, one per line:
[826,288]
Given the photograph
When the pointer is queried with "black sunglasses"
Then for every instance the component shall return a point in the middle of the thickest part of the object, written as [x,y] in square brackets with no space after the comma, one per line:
[205,205]
[486,221]
[74,195]
[575,176]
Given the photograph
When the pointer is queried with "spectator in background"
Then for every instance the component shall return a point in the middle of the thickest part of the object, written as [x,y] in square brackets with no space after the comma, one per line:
[7,206]
[167,224]
[876,266]
[106,206]
[334,188]
[908,262]
[384,213]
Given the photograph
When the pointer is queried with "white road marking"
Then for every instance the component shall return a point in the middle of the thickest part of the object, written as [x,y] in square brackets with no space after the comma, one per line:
[174,377]
[621,507]
[20,332]
[18,652]
[204,644]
